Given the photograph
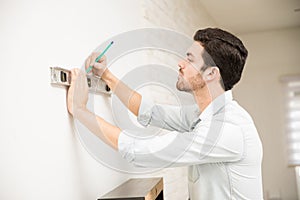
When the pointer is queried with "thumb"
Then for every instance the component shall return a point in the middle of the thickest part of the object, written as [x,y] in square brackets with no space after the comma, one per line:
[74,74]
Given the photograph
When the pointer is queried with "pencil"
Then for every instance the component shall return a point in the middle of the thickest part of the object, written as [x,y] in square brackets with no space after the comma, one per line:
[99,57]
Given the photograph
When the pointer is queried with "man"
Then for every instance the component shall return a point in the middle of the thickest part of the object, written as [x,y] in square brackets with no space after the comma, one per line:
[220,144]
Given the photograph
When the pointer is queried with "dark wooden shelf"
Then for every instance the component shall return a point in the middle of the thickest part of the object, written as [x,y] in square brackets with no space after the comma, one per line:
[137,189]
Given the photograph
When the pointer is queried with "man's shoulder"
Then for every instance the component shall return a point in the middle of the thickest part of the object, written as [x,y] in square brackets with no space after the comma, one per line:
[235,113]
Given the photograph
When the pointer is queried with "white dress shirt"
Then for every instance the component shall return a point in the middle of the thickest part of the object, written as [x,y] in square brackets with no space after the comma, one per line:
[221,146]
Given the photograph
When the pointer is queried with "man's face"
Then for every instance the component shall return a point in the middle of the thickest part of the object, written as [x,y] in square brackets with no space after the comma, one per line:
[190,75]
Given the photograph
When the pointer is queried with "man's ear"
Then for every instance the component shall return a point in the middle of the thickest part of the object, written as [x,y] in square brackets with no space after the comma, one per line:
[212,73]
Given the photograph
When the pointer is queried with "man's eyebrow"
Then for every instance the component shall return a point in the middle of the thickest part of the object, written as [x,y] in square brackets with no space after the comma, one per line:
[190,54]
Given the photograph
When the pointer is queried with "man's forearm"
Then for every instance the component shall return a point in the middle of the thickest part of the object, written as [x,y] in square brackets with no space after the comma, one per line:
[107,132]
[130,98]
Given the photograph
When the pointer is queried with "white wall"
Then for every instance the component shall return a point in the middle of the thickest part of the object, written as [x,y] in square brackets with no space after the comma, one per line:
[271,55]
[40,154]
[183,16]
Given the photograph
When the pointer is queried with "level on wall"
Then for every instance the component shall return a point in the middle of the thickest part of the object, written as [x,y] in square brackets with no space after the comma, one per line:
[62,78]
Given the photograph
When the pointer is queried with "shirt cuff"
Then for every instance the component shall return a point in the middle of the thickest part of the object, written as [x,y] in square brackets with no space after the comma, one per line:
[145,112]
[126,146]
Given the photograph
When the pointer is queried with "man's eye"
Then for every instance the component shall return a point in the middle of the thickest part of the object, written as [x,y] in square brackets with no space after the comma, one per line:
[189,60]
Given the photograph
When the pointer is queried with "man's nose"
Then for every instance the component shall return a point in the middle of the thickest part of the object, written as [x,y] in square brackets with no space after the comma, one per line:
[181,64]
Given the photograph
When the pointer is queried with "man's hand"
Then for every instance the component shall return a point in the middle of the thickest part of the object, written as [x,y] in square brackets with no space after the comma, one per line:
[78,92]
[98,67]
[130,98]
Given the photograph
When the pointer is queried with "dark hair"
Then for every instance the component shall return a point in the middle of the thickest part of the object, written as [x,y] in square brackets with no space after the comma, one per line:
[227,52]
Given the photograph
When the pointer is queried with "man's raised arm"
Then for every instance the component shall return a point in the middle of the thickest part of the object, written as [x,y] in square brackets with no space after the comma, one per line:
[164,116]
[130,98]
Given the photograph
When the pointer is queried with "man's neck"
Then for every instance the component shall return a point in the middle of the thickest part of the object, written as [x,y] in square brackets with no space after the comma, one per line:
[206,95]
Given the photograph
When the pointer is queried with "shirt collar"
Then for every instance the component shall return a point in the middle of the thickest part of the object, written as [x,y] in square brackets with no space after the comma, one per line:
[216,105]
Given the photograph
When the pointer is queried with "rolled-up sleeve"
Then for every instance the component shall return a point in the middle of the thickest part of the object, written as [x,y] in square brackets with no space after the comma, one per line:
[145,112]
[173,118]
[126,146]
[176,149]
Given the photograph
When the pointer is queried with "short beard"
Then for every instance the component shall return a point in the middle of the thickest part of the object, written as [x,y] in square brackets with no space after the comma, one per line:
[181,86]
[195,83]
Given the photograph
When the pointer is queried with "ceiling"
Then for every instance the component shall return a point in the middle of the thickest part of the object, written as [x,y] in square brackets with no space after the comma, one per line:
[245,16]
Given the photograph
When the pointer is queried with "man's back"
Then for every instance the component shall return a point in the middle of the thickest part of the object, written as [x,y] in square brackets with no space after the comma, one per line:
[231,180]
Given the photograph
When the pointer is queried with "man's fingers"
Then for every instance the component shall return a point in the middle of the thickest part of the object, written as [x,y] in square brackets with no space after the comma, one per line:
[81,74]
[74,74]
[94,56]
[97,67]
[102,59]
[90,61]
[87,62]
[83,79]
